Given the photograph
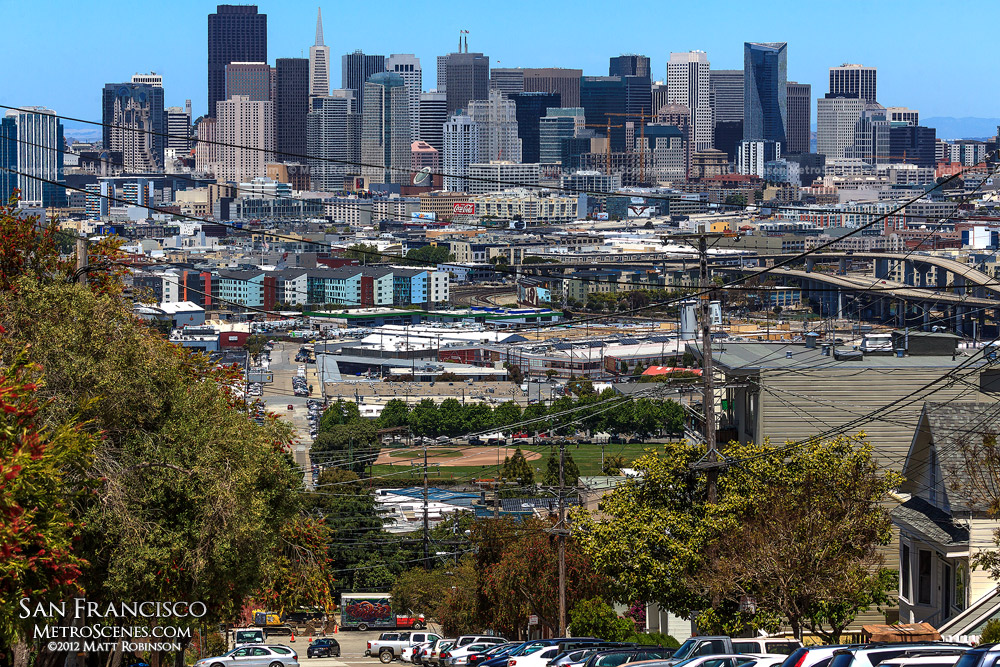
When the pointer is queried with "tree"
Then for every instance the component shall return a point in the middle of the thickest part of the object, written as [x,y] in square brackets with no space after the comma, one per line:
[394,414]
[451,417]
[596,618]
[28,248]
[991,632]
[340,412]
[506,413]
[255,345]
[43,473]
[429,254]
[478,417]
[424,418]
[518,564]
[354,446]
[613,465]
[363,252]
[514,373]
[500,260]
[736,200]
[798,530]
[582,388]
[516,469]
[571,473]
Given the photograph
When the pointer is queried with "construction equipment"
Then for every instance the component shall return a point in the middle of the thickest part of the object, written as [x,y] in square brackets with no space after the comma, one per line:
[642,116]
[608,127]
[270,622]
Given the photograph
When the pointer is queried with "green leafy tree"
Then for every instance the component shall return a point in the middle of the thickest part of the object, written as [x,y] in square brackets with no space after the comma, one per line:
[363,252]
[478,417]
[506,413]
[991,632]
[255,345]
[425,419]
[596,618]
[514,373]
[429,254]
[801,531]
[450,418]
[43,473]
[340,412]
[571,473]
[354,446]
[394,414]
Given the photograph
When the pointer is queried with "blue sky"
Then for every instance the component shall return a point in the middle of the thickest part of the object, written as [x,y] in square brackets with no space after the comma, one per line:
[930,56]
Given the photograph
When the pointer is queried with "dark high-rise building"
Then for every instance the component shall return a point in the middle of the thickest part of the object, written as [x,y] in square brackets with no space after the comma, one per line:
[467,77]
[566,82]
[356,69]
[915,142]
[728,135]
[799,117]
[8,158]
[250,79]
[638,97]
[236,33]
[765,94]
[291,108]
[433,116]
[508,80]
[135,124]
[629,65]
[855,81]
[529,109]
[726,90]
[603,95]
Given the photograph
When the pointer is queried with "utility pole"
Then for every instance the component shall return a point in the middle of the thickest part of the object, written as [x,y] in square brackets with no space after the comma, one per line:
[427,562]
[708,400]
[562,540]
[81,259]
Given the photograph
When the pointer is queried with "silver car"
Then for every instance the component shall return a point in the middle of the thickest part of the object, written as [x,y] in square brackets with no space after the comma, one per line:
[254,655]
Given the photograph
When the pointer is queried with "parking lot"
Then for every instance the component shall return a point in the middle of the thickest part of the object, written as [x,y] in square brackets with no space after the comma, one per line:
[352,649]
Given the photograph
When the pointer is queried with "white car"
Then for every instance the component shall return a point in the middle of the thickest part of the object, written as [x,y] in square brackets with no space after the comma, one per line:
[460,656]
[733,660]
[255,655]
[539,658]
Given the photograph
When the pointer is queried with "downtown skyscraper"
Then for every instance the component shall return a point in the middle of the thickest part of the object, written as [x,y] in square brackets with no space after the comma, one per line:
[385,130]
[688,85]
[236,33]
[765,92]
[135,124]
[355,69]
[319,62]
[291,107]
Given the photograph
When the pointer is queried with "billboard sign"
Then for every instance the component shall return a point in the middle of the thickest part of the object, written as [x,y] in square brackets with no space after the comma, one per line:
[464,208]
[420,215]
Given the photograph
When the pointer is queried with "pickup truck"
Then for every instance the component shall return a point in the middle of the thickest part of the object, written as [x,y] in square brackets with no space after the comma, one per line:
[390,645]
[716,645]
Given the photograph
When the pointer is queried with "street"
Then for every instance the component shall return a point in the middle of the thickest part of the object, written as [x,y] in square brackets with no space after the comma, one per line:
[352,648]
[278,395]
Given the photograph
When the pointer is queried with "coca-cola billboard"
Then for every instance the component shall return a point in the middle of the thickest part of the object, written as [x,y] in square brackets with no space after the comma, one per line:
[464,208]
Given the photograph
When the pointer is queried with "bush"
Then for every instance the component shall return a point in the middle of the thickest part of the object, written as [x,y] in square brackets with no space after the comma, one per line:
[991,632]
[654,639]
[596,618]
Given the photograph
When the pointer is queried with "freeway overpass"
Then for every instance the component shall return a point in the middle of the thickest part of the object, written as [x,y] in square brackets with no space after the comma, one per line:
[916,269]
[879,299]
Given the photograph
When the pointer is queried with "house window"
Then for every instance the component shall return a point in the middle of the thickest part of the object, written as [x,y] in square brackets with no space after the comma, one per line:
[904,575]
[923,577]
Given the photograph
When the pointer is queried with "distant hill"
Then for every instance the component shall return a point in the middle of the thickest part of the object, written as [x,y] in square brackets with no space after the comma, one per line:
[962,128]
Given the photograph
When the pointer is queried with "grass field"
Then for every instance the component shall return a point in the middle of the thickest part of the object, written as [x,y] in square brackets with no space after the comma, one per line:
[586,457]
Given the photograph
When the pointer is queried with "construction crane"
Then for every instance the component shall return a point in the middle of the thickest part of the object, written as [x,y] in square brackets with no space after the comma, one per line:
[642,115]
[608,127]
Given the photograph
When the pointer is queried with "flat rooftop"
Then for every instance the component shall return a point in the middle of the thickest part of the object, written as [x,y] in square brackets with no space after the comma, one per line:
[767,356]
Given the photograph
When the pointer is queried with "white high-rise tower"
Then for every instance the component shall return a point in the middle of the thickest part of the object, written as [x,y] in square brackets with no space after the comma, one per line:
[319,62]
[688,84]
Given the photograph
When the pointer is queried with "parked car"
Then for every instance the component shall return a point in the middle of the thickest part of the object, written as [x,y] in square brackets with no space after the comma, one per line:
[569,658]
[539,658]
[936,660]
[812,656]
[983,655]
[465,640]
[390,645]
[723,660]
[256,654]
[492,652]
[621,656]
[768,645]
[459,655]
[434,659]
[323,647]
[243,636]
[871,655]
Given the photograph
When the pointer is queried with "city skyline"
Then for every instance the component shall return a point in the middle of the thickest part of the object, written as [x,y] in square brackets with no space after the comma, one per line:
[546,41]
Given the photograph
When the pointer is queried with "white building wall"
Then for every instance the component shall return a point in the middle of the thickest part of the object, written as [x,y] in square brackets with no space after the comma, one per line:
[688,84]
[246,128]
